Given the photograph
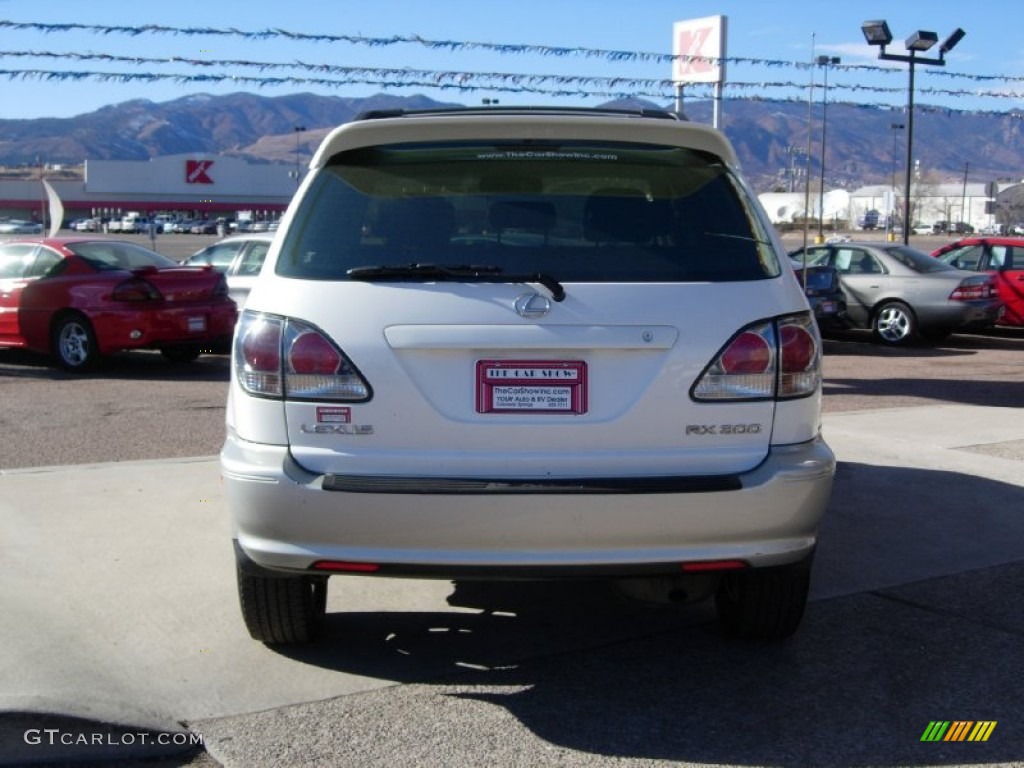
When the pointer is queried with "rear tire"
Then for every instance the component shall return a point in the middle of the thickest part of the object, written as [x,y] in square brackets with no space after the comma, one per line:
[765,604]
[894,323]
[73,343]
[282,610]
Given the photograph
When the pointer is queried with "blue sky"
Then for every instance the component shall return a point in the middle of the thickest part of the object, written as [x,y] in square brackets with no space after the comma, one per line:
[781,32]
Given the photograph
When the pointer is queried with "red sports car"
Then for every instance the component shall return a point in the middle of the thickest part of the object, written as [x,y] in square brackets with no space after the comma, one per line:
[83,297]
[1003,258]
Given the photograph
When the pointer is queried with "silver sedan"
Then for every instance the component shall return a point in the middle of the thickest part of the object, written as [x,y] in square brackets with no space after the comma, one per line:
[239,257]
[902,294]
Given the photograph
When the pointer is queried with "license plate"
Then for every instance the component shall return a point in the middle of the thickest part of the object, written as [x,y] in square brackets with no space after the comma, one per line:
[196,324]
[828,307]
[531,386]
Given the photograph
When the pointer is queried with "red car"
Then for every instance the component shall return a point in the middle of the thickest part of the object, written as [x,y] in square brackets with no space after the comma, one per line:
[1003,258]
[80,298]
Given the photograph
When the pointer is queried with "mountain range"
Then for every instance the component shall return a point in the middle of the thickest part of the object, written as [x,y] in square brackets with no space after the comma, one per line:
[770,137]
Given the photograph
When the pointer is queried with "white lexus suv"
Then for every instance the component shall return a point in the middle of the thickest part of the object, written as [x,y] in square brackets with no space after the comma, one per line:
[526,343]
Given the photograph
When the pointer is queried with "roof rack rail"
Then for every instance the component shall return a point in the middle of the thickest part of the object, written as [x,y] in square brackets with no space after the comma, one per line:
[380,114]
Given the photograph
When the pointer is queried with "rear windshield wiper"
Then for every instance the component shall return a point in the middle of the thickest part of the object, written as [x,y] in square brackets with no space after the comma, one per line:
[483,273]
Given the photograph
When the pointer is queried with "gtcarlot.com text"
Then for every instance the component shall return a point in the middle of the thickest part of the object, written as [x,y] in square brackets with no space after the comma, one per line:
[55,736]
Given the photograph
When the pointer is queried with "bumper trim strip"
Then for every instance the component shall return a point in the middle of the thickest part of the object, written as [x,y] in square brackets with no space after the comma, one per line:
[587,485]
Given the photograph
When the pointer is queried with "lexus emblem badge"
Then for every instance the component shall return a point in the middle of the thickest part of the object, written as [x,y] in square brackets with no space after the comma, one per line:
[532,305]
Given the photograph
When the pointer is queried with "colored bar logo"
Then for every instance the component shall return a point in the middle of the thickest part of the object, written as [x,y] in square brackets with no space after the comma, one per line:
[958,730]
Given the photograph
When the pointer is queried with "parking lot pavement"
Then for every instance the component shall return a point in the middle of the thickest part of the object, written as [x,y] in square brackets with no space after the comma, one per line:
[119,606]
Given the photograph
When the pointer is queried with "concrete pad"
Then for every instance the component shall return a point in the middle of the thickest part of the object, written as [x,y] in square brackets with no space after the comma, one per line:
[121,577]
[909,505]
[857,686]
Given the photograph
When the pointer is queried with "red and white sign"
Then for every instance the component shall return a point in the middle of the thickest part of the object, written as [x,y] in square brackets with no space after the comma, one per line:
[196,171]
[704,39]
[333,415]
[531,386]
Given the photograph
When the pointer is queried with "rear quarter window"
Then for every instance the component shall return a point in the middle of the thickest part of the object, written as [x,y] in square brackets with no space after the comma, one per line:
[583,213]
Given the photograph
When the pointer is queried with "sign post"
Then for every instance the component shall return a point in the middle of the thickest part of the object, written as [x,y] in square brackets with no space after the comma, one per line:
[699,49]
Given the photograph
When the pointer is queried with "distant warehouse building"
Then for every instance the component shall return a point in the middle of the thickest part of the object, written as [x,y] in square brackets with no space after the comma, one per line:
[192,185]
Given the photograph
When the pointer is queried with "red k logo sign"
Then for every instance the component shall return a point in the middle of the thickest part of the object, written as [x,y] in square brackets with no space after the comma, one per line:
[693,42]
[195,171]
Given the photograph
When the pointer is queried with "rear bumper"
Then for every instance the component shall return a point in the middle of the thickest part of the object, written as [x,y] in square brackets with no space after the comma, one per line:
[285,520]
[961,315]
[209,325]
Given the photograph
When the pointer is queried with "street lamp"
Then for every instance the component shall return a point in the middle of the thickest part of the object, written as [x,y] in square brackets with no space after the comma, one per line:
[298,130]
[826,62]
[877,33]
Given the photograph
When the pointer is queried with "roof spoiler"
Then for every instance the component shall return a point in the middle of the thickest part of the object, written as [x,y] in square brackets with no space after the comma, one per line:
[381,114]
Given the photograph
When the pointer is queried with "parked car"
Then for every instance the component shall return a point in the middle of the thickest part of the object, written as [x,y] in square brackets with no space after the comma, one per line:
[952,227]
[239,258]
[1000,257]
[20,227]
[902,294]
[205,227]
[80,298]
[824,294]
[515,343]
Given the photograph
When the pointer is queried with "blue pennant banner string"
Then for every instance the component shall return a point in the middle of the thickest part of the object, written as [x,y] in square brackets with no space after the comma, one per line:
[460,45]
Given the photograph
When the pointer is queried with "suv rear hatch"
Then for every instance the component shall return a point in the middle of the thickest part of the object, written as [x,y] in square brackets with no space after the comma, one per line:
[527,308]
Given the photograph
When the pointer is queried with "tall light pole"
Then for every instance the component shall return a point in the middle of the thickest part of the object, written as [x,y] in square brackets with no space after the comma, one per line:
[826,62]
[963,199]
[895,128]
[298,130]
[807,155]
[877,33]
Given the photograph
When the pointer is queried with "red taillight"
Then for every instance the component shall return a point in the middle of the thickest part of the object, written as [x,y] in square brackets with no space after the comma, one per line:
[280,357]
[974,289]
[799,358]
[778,358]
[312,353]
[798,348]
[136,289]
[748,353]
[257,355]
[261,347]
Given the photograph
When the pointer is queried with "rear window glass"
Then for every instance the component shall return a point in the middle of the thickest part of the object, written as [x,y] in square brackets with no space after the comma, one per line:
[917,260]
[582,212]
[108,255]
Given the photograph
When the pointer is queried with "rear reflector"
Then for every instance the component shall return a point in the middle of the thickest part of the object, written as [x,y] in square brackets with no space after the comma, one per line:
[714,565]
[344,567]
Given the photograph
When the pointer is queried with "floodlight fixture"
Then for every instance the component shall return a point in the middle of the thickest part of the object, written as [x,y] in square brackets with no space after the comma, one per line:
[950,42]
[921,40]
[876,32]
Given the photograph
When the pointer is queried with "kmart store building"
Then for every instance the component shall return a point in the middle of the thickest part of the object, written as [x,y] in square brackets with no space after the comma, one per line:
[191,185]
